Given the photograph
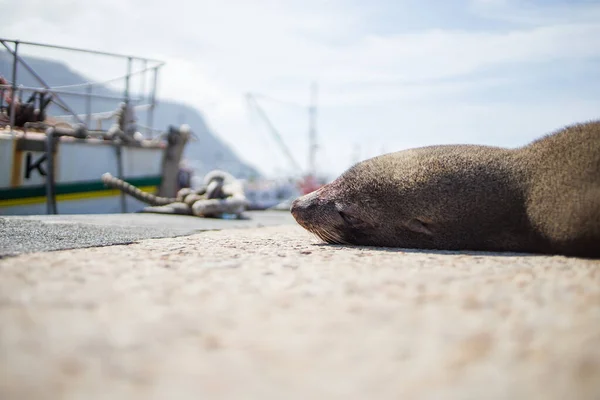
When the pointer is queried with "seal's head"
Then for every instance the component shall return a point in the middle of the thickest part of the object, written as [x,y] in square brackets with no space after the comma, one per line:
[364,206]
[419,198]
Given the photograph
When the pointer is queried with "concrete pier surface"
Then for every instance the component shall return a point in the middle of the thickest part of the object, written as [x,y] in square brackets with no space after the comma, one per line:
[267,311]
[27,234]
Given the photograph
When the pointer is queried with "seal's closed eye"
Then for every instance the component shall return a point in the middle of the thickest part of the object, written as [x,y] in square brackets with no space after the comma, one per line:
[350,219]
[419,226]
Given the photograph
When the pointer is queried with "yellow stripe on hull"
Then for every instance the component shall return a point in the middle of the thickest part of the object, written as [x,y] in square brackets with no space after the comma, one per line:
[70,196]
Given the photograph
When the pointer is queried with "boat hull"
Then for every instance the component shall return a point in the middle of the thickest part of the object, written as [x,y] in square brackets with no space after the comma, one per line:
[79,164]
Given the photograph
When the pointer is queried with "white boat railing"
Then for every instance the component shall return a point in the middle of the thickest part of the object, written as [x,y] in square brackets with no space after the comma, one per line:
[150,66]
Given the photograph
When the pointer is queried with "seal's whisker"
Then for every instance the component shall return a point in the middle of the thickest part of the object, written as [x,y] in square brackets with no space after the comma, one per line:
[314,231]
[315,234]
[323,235]
[320,235]
[330,236]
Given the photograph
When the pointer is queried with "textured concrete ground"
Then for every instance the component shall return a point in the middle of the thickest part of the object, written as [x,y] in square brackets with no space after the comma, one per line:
[270,313]
[28,234]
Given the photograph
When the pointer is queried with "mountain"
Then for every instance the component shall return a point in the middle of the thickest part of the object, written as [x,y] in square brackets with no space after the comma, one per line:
[205,153]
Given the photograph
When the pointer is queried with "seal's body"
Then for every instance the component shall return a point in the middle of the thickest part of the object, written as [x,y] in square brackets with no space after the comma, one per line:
[541,198]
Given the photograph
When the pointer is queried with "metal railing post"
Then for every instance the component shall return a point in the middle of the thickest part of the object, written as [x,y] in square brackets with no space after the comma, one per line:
[119,150]
[143,83]
[50,184]
[88,106]
[127,80]
[13,96]
[150,116]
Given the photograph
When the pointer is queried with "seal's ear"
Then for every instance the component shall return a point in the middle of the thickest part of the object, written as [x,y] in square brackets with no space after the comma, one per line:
[419,226]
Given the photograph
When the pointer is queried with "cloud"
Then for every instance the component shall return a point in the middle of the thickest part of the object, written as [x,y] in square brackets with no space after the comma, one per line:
[538,12]
[439,84]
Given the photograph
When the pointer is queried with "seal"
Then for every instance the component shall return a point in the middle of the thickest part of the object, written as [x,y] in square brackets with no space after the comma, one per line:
[540,198]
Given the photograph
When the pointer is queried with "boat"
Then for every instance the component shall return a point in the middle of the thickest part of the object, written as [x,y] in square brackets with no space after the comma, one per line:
[53,164]
[269,194]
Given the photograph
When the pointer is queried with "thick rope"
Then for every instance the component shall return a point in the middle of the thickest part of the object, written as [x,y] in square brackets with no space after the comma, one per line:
[221,194]
[134,192]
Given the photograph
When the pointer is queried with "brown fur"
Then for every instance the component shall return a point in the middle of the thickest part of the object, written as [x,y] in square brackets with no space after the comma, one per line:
[540,198]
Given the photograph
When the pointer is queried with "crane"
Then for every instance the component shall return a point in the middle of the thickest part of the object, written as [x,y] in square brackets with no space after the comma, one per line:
[309,182]
[252,102]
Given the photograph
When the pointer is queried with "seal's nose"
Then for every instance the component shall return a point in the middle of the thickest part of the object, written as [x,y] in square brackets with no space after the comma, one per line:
[302,205]
[296,206]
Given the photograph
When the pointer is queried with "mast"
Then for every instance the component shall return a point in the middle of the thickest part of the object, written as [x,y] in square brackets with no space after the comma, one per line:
[312,131]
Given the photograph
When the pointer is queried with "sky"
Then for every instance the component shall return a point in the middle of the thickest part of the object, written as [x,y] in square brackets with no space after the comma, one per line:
[391,74]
